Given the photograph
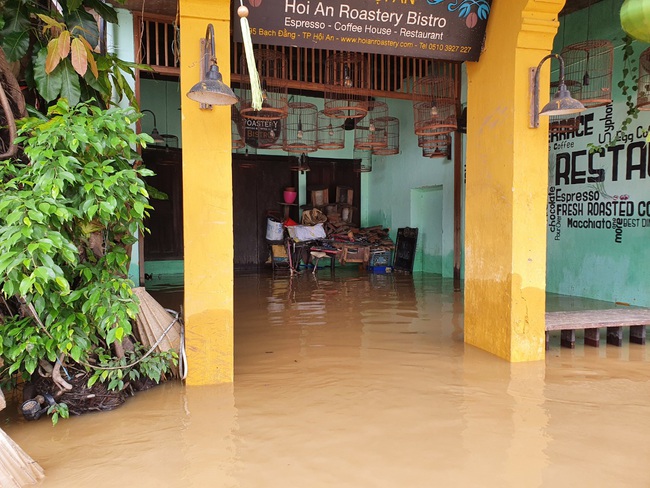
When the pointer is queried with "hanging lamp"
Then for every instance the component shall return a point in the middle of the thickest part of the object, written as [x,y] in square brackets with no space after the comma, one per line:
[562,124]
[272,70]
[367,133]
[346,86]
[635,19]
[331,132]
[300,130]
[434,105]
[390,125]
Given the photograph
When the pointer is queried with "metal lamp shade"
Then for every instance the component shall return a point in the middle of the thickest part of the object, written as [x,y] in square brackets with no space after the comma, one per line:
[212,90]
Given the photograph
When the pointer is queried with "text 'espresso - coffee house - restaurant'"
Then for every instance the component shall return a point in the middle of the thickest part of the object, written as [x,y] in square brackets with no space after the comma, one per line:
[390,136]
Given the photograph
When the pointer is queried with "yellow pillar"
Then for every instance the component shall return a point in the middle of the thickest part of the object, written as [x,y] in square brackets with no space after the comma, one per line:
[207,202]
[507,174]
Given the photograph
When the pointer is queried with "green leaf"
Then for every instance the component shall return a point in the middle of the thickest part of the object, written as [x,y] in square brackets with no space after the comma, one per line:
[70,88]
[73,4]
[49,86]
[105,11]
[75,353]
[82,23]
[15,45]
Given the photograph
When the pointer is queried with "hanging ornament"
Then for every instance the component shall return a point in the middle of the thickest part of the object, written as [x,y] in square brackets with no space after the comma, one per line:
[635,19]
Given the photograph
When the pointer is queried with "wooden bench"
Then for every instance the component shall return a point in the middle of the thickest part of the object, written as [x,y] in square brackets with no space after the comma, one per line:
[591,321]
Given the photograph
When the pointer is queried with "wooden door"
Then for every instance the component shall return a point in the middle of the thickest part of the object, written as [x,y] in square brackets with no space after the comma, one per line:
[165,240]
[258,183]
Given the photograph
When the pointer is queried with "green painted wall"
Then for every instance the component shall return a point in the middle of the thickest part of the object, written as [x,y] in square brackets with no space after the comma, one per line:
[599,205]
[119,41]
[163,98]
[390,186]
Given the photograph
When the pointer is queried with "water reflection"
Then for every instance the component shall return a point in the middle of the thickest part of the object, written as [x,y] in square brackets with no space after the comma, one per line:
[355,380]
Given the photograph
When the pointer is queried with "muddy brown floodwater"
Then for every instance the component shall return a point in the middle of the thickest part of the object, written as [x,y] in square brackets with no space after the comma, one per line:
[363,381]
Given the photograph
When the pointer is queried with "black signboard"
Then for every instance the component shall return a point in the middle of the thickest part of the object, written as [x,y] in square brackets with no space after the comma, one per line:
[405,246]
[440,29]
[261,133]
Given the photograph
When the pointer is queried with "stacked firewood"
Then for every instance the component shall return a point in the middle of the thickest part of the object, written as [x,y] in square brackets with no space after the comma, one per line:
[376,236]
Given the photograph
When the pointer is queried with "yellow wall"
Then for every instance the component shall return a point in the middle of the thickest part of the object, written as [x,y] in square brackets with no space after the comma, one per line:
[505,238]
[207,203]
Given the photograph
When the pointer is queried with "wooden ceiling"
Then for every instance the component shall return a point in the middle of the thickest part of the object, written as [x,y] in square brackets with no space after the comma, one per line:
[169,7]
[575,5]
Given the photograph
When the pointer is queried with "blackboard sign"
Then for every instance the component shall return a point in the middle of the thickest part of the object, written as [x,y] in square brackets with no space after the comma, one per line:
[407,240]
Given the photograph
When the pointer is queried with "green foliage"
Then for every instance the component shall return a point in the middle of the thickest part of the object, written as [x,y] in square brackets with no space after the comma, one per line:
[60,49]
[628,86]
[115,372]
[66,220]
[58,410]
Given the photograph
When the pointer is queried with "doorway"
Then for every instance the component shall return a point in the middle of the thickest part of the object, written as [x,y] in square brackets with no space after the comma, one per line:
[426,215]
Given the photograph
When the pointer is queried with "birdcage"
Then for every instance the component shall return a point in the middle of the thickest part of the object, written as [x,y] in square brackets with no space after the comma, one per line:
[272,70]
[362,160]
[331,132]
[300,130]
[390,126]
[434,105]
[367,134]
[588,71]
[346,86]
[643,86]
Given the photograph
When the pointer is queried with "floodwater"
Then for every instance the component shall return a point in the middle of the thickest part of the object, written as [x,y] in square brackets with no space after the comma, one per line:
[363,381]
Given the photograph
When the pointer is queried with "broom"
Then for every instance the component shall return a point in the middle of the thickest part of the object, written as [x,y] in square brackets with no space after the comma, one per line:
[17,469]
[256,89]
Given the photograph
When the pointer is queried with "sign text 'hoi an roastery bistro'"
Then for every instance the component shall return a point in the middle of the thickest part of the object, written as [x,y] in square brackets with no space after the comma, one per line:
[441,29]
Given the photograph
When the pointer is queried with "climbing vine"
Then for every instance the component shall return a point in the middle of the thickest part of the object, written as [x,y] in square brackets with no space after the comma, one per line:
[628,86]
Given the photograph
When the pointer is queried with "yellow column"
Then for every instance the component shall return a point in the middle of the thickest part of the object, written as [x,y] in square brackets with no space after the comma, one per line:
[507,174]
[207,203]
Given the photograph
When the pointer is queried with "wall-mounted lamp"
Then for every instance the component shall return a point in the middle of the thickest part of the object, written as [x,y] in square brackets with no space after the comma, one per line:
[561,104]
[211,90]
[155,135]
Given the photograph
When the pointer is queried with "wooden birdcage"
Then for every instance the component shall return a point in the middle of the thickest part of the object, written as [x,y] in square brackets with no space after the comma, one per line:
[433,141]
[643,86]
[331,133]
[588,71]
[346,86]
[235,132]
[367,134]
[300,129]
[362,160]
[434,105]
[437,146]
[390,126]
[272,70]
